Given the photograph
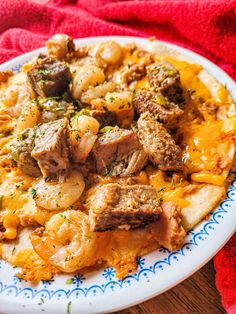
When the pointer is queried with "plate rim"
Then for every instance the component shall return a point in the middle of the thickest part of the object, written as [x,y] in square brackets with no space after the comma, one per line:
[192,55]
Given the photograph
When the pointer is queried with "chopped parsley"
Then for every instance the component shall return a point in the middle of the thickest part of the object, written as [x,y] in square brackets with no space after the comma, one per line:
[161,189]
[42,301]
[173,182]
[43,81]
[69,281]
[60,109]
[68,307]
[18,185]
[106,129]
[44,71]
[57,204]
[33,193]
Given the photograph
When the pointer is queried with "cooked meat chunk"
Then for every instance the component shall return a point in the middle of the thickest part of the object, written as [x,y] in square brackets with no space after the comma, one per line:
[160,147]
[21,153]
[164,111]
[49,77]
[105,118]
[51,149]
[135,162]
[115,206]
[132,164]
[165,78]
[168,230]
[119,152]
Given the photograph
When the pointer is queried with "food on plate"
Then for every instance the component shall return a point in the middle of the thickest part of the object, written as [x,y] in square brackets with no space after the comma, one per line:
[164,111]
[108,152]
[116,206]
[49,77]
[118,152]
[160,147]
[67,242]
[165,78]
[51,148]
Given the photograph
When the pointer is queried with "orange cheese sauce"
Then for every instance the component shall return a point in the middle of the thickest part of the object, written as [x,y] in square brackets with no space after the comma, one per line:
[169,190]
[189,78]
[200,150]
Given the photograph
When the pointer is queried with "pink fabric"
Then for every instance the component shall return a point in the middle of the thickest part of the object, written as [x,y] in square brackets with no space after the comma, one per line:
[207,27]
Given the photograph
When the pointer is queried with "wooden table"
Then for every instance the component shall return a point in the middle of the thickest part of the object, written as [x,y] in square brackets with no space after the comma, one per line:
[196,295]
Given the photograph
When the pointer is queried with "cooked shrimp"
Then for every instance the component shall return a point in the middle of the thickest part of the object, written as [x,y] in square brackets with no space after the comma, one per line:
[110,52]
[67,242]
[99,91]
[88,75]
[55,196]
[80,149]
[29,116]
[60,45]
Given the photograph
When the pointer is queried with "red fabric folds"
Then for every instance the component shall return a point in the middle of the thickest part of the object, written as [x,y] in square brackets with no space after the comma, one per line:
[225,266]
[207,27]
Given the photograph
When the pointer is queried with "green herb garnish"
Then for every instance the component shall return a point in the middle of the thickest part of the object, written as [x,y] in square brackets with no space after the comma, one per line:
[106,129]
[69,281]
[32,192]
[161,189]
[68,307]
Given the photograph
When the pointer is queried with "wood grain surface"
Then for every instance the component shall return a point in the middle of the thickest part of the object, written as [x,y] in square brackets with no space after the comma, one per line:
[196,294]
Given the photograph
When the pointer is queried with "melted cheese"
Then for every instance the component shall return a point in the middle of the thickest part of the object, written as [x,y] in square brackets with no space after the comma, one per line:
[204,177]
[142,84]
[204,146]
[177,196]
[189,78]
[168,190]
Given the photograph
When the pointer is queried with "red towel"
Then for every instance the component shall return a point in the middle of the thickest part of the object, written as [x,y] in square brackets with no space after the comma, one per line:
[225,265]
[207,27]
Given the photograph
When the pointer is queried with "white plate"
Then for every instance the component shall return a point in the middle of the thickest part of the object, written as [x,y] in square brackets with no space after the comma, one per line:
[100,291]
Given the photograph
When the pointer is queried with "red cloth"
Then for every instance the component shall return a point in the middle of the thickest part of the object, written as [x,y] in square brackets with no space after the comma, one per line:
[225,266]
[207,27]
